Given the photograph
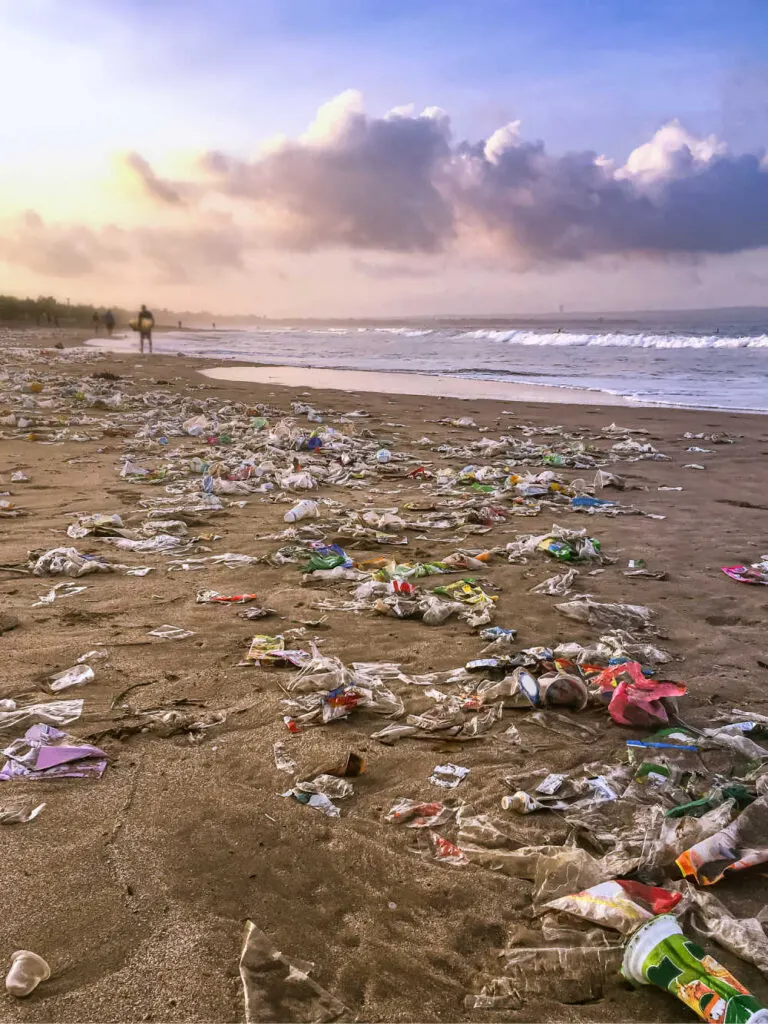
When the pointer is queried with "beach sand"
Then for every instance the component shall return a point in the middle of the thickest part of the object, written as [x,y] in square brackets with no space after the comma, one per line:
[136,887]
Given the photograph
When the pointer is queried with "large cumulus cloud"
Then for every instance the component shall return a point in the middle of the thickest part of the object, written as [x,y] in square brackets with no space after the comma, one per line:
[675,195]
[401,183]
[351,181]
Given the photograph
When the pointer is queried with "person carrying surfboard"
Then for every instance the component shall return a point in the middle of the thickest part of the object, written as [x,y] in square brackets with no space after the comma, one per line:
[146,322]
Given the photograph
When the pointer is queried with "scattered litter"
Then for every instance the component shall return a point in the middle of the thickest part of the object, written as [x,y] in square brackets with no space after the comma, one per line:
[283,761]
[18,812]
[277,987]
[660,954]
[607,616]
[448,775]
[755,573]
[48,753]
[214,597]
[27,971]
[167,632]
[740,845]
[60,590]
[57,712]
[78,675]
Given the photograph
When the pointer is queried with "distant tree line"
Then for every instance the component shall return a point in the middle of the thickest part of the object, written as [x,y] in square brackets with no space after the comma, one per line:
[46,310]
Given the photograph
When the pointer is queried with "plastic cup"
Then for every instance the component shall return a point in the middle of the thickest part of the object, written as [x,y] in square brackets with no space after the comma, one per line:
[563,690]
[27,971]
[660,954]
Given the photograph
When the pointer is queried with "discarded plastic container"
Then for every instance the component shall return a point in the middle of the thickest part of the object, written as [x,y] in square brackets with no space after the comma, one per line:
[660,954]
[305,509]
[27,971]
[383,455]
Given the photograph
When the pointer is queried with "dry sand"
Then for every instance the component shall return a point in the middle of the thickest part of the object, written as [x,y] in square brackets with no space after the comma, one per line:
[136,887]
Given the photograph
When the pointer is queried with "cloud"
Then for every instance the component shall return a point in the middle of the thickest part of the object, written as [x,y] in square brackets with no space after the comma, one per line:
[167,255]
[403,196]
[350,181]
[59,250]
[675,195]
[153,186]
[400,183]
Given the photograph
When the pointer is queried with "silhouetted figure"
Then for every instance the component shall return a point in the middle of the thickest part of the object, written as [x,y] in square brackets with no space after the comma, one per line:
[96,323]
[146,323]
[109,322]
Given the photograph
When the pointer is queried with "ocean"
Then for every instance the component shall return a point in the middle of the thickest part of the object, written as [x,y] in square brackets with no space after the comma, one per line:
[674,367]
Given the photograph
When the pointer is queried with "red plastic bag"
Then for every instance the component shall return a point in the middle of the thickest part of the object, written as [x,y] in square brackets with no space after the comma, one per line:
[636,700]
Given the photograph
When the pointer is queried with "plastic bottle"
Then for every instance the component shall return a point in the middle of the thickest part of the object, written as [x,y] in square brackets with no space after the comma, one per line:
[305,509]
[27,971]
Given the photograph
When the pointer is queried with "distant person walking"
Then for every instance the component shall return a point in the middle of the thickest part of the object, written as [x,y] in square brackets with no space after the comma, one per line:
[96,323]
[146,323]
[109,322]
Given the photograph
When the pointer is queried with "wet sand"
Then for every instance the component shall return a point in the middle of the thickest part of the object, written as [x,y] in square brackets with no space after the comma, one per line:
[411,384]
[136,887]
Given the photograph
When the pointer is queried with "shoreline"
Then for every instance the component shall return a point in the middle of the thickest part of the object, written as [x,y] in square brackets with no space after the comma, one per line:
[406,383]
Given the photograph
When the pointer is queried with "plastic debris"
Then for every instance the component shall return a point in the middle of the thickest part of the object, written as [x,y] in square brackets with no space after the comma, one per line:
[167,632]
[78,675]
[57,712]
[46,753]
[755,573]
[445,851]
[740,845]
[68,562]
[283,761]
[634,699]
[277,987]
[17,812]
[660,954]
[556,586]
[448,775]
[270,650]
[60,590]
[607,616]
[214,597]
[621,905]
[414,814]
[305,509]
[27,971]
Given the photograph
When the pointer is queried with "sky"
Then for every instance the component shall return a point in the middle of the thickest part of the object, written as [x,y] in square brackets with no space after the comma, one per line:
[371,158]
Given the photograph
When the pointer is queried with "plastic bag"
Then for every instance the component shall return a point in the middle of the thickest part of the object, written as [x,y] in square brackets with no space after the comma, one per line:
[57,712]
[414,814]
[556,586]
[738,846]
[277,987]
[597,613]
[635,699]
[621,905]
[78,675]
[68,562]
